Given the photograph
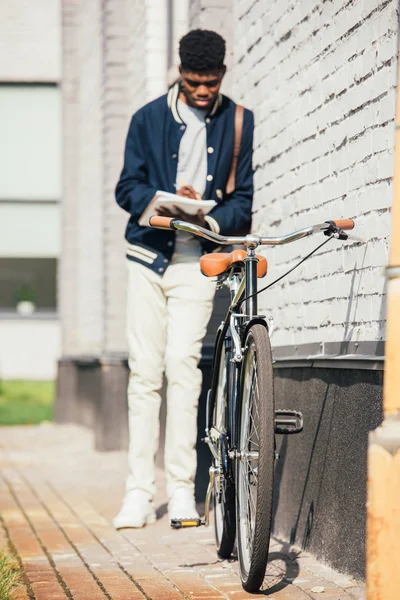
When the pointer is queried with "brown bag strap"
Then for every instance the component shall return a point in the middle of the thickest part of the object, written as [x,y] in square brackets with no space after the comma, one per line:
[239,115]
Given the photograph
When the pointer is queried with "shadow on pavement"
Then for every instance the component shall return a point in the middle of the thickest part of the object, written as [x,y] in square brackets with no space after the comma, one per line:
[161,511]
[282,569]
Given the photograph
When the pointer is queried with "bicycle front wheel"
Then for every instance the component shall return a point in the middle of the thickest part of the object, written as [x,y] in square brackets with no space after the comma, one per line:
[255,458]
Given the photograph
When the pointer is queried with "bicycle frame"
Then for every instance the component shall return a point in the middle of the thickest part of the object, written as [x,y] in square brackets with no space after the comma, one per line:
[232,332]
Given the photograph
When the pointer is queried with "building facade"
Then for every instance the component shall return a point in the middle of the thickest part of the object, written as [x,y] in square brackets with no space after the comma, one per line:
[30,188]
[320,78]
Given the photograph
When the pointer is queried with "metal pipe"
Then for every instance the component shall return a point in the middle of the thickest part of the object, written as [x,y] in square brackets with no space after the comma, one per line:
[383,507]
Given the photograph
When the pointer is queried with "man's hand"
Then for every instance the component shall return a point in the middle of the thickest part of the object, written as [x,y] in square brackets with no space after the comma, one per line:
[197,219]
[185,191]
[188,192]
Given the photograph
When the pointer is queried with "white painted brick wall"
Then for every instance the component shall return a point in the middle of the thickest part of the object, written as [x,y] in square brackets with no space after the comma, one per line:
[67,278]
[114,62]
[321,79]
[116,116]
[89,154]
[180,26]
[217,16]
[147,51]
[30,41]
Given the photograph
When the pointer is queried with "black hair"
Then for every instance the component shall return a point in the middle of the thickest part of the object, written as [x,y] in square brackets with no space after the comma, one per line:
[201,50]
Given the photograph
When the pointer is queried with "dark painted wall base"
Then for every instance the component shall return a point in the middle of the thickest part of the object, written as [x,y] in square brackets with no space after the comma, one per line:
[320,490]
[92,392]
[321,475]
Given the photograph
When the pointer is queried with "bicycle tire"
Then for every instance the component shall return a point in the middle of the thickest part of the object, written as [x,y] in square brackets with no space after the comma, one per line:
[225,522]
[254,486]
[224,489]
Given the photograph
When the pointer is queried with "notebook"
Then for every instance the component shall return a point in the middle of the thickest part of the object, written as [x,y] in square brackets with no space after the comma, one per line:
[167,200]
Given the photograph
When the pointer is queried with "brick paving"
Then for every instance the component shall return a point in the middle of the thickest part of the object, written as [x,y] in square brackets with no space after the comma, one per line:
[57,500]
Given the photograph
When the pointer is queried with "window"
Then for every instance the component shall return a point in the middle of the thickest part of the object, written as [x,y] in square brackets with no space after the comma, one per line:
[30,142]
[28,279]
[30,191]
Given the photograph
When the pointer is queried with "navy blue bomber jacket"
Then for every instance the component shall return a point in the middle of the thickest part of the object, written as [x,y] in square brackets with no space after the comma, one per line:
[150,164]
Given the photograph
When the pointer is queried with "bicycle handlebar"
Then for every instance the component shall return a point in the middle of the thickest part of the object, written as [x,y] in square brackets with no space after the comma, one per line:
[344,224]
[252,240]
[161,222]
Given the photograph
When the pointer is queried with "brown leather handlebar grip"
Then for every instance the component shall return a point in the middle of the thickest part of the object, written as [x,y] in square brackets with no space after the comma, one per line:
[161,222]
[345,223]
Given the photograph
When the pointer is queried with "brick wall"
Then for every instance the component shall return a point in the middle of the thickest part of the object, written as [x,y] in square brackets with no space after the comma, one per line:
[321,79]
[155,44]
[89,154]
[114,56]
[67,280]
[117,107]
[178,17]
[217,16]
[135,72]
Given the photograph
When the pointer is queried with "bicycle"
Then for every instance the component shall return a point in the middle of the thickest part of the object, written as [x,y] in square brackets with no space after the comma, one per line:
[241,420]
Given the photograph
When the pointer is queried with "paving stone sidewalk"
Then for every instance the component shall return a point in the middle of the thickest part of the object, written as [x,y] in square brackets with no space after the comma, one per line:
[57,500]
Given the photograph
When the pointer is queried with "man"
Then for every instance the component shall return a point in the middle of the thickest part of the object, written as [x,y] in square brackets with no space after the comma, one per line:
[183,143]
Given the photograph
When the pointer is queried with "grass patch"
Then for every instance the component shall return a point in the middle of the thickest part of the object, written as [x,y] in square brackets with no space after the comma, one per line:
[26,402]
[9,575]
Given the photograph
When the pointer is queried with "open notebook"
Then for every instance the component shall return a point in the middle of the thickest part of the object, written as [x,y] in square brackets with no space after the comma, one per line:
[168,200]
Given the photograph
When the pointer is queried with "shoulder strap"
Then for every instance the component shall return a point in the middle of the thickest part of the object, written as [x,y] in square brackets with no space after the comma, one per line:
[239,115]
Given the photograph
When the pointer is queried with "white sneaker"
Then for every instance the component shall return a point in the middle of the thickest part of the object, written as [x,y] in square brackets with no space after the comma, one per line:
[136,511]
[182,505]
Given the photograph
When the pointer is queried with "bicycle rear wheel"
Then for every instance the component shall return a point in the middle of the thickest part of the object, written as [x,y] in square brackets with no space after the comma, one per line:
[224,489]
[255,458]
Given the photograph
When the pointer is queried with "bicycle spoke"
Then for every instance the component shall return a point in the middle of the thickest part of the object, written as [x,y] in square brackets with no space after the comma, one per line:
[249,520]
[254,430]
[251,514]
[250,469]
[256,404]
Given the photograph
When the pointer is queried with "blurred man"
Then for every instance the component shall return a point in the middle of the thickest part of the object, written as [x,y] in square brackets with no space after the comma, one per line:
[180,142]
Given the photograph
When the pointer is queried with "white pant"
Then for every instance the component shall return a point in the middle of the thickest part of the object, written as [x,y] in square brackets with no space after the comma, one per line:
[167,320]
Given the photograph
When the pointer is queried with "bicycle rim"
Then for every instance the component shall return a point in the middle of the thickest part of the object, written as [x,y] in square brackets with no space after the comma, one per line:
[255,460]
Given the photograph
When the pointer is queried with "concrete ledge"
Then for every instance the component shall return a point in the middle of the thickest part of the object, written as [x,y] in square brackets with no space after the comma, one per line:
[78,390]
[366,355]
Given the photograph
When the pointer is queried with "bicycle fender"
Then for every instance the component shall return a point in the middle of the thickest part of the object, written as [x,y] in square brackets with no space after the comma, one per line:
[256,320]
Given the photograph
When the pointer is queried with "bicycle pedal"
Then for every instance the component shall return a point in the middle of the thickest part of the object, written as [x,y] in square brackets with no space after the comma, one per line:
[288,421]
[179,523]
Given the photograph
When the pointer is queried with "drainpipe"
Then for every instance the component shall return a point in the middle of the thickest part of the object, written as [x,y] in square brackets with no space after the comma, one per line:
[383,506]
